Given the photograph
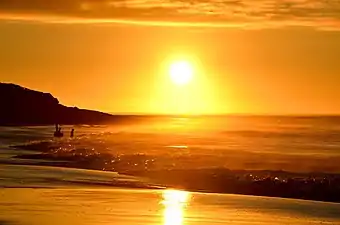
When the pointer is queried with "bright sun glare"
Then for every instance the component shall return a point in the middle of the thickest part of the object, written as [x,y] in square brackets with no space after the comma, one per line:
[181,72]
[175,202]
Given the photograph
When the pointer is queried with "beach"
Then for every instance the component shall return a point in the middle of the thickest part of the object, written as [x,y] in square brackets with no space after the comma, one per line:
[54,206]
[69,181]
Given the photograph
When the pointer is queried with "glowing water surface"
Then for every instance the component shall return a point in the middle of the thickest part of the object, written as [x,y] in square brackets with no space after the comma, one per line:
[81,206]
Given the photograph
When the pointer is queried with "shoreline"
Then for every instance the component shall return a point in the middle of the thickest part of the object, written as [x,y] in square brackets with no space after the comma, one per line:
[315,186]
[114,185]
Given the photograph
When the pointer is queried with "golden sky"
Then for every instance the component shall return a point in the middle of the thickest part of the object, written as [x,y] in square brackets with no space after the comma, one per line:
[257,57]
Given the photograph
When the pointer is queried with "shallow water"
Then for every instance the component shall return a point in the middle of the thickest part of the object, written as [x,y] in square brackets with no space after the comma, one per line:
[28,176]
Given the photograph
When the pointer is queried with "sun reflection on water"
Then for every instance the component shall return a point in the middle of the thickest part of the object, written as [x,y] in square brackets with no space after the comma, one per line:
[174,202]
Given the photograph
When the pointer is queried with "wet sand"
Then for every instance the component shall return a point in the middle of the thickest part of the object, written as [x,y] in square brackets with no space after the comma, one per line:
[35,195]
[78,206]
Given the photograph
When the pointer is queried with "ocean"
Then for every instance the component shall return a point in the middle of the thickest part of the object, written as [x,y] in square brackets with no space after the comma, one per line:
[106,173]
[301,144]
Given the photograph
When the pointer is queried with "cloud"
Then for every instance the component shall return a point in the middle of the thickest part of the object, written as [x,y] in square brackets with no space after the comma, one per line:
[321,14]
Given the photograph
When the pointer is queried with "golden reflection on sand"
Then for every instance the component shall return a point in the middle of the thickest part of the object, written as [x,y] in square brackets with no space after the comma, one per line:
[174,202]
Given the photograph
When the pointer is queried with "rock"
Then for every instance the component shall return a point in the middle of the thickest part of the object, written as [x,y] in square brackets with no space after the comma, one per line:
[22,106]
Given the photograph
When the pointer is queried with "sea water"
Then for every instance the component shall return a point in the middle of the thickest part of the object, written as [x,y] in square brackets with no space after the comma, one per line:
[274,143]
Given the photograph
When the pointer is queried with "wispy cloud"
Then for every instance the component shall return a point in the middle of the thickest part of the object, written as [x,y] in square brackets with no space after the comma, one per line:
[321,14]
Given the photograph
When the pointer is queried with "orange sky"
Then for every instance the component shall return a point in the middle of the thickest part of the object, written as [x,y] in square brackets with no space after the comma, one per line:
[121,67]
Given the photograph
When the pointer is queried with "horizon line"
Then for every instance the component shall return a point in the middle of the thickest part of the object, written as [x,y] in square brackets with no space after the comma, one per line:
[227,114]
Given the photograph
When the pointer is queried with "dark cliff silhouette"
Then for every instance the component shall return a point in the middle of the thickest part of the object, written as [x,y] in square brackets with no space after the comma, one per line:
[22,106]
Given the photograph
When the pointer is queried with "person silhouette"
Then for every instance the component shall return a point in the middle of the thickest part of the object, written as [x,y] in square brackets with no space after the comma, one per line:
[72,133]
[58,132]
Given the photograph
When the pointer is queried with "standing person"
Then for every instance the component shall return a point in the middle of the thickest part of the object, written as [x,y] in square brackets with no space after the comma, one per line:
[56,132]
[60,133]
[72,133]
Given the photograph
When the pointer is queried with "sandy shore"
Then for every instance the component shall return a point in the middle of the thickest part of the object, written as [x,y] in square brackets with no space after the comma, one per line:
[34,195]
[78,206]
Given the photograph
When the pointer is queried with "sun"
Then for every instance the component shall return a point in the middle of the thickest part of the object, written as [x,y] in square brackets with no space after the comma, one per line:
[181,72]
